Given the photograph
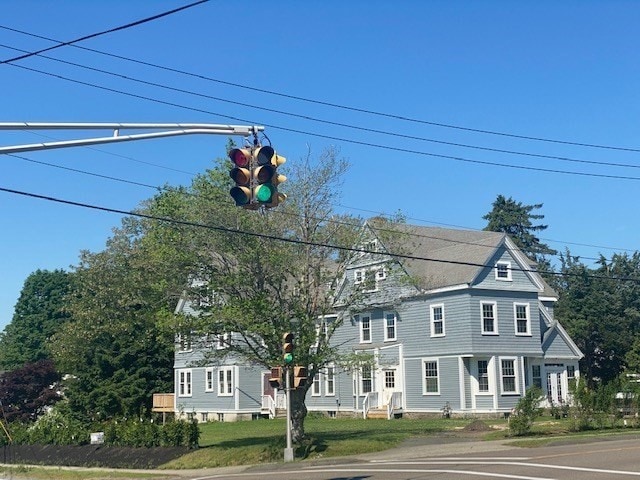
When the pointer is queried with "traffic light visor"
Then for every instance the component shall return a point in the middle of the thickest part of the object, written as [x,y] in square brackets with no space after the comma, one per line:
[241,176]
[241,157]
[241,195]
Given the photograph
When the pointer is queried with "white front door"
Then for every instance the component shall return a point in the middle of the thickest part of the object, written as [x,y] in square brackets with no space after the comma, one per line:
[389,384]
[555,386]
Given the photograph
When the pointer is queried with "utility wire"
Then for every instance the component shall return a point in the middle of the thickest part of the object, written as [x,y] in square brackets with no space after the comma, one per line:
[334,105]
[330,137]
[278,212]
[104,32]
[287,240]
[328,122]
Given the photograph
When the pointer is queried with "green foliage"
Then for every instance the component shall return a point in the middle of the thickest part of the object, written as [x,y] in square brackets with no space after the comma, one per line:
[601,313]
[53,428]
[39,313]
[526,411]
[146,433]
[515,219]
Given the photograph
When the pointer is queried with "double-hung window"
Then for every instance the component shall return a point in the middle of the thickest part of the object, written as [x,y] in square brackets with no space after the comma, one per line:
[389,326]
[366,380]
[431,384]
[483,376]
[522,321]
[489,318]
[330,381]
[184,383]
[509,375]
[365,328]
[437,320]
[225,381]
[503,271]
[209,379]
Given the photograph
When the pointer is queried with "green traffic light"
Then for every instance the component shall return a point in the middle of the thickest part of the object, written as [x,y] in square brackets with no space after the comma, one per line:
[264,193]
[288,358]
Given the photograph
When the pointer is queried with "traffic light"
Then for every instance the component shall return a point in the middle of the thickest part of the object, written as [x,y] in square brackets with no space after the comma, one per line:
[299,376]
[266,177]
[242,159]
[275,380]
[287,348]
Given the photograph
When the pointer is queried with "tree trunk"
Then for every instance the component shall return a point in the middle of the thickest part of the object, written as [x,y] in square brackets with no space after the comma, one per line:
[298,414]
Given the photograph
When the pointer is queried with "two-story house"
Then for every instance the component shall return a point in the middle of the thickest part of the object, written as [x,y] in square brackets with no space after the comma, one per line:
[453,320]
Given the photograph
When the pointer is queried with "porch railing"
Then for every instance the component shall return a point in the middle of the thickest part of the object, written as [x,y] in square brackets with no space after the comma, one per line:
[395,404]
[268,405]
[163,402]
[370,400]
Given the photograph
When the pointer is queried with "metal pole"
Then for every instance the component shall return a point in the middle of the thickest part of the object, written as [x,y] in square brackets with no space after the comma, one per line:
[288,451]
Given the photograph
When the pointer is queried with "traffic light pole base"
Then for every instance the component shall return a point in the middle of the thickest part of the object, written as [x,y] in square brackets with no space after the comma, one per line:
[288,454]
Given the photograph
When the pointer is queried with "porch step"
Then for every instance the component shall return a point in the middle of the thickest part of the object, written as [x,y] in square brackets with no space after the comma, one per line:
[380,413]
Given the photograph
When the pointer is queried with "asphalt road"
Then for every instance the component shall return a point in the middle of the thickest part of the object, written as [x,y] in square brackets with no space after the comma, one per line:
[614,458]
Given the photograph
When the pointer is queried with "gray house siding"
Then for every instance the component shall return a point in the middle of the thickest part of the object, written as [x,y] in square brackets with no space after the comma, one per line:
[423,323]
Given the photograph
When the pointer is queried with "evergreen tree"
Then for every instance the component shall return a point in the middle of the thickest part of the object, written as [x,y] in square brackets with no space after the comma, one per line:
[516,220]
[39,313]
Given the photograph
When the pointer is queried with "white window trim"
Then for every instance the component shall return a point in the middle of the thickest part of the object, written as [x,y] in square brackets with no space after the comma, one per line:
[187,374]
[222,340]
[362,379]
[424,376]
[209,374]
[395,327]
[495,317]
[432,322]
[490,380]
[516,372]
[223,392]
[185,344]
[381,273]
[316,386]
[508,278]
[330,392]
[515,319]
[360,317]
[358,276]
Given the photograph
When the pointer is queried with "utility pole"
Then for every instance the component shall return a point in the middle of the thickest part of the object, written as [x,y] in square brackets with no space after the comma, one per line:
[163,130]
[288,451]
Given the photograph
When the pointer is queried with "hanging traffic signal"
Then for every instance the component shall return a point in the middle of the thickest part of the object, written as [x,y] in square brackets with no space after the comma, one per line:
[299,376]
[287,348]
[275,380]
[266,177]
[242,159]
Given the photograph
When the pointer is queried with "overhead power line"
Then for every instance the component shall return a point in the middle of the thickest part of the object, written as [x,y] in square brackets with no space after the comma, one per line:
[104,32]
[284,239]
[331,137]
[413,234]
[330,104]
[330,122]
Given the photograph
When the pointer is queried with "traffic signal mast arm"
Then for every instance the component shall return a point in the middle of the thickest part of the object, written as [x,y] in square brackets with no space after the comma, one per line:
[169,130]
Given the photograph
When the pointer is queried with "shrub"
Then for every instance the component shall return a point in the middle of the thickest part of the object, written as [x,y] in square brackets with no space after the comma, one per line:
[526,411]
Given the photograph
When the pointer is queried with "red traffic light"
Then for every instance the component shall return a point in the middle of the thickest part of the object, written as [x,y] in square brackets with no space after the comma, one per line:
[241,157]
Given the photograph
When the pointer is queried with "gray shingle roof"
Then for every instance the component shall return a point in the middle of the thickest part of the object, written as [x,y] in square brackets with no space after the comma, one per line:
[455,256]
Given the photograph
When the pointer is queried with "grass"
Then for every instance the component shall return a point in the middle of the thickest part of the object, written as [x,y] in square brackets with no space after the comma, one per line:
[241,443]
[56,473]
[263,441]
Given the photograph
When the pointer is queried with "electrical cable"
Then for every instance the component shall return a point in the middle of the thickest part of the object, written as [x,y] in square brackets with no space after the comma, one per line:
[330,122]
[335,105]
[288,240]
[330,137]
[104,32]
[166,189]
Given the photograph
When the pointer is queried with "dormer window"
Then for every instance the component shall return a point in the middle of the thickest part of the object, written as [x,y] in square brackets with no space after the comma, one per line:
[503,271]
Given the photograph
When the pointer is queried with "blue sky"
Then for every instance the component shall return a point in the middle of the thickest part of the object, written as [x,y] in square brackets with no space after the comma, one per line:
[566,71]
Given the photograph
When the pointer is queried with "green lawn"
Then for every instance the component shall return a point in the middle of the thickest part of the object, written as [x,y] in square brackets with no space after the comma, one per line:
[224,444]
